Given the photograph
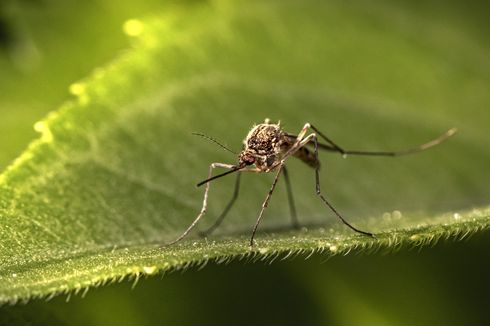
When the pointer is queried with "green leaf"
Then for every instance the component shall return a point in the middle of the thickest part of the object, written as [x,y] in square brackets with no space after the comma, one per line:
[112,176]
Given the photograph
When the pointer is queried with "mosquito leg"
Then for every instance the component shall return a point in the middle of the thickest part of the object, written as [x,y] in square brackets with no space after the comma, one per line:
[412,150]
[333,147]
[319,193]
[227,209]
[204,202]
[295,146]
[328,140]
[265,204]
[292,207]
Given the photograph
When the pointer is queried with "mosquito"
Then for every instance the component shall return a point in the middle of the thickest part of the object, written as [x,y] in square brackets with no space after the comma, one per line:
[266,149]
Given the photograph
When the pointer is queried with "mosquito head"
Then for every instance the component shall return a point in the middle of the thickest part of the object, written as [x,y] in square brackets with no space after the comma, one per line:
[246,158]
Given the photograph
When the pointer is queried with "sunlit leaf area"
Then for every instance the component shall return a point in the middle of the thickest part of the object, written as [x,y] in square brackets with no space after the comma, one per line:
[100,105]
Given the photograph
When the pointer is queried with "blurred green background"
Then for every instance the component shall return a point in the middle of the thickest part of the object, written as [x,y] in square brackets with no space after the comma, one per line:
[46,45]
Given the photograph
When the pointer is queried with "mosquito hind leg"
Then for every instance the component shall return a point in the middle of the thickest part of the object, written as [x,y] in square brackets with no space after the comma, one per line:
[328,140]
[226,210]
[335,148]
[204,202]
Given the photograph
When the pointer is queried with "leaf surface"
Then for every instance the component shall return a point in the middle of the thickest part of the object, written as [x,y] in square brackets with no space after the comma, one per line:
[112,176]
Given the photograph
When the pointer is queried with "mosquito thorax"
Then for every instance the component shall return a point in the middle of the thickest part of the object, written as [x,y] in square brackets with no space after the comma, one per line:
[264,139]
[263,145]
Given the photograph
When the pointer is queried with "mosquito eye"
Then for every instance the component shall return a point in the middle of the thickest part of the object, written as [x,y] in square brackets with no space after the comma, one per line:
[247,159]
[250,160]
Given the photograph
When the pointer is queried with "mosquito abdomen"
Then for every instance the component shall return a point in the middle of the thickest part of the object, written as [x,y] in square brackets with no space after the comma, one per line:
[307,156]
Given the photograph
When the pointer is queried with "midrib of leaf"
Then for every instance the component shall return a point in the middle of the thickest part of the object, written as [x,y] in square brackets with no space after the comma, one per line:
[84,204]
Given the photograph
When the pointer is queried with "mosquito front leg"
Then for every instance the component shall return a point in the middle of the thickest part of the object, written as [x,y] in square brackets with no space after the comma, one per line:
[204,202]
[227,208]
[265,204]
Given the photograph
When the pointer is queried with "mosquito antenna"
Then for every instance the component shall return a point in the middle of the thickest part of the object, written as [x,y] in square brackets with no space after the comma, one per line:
[234,169]
[214,141]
